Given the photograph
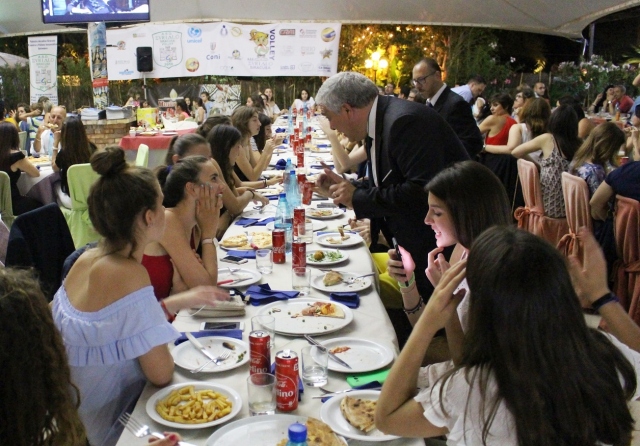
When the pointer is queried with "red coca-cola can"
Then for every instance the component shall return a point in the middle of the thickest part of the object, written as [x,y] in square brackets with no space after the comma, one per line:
[278,242]
[308,138]
[299,253]
[300,126]
[300,159]
[307,191]
[286,380]
[259,352]
[298,218]
[296,131]
[302,178]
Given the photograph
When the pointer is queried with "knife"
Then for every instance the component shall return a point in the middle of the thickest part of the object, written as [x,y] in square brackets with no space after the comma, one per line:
[199,346]
[331,355]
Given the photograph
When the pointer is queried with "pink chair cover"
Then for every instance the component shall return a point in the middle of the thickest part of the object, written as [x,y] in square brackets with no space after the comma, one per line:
[626,270]
[531,217]
[576,200]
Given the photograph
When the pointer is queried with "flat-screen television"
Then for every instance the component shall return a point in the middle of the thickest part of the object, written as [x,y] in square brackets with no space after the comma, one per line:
[85,11]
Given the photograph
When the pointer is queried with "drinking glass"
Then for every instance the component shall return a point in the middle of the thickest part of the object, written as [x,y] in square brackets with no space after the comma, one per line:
[301,280]
[261,388]
[267,323]
[305,232]
[264,261]
[315,360]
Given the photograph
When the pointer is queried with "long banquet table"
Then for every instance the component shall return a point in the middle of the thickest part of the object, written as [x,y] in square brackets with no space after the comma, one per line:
[370,322]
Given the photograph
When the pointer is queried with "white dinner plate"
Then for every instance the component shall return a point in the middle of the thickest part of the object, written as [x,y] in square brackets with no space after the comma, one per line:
[360,284]
[251,277]
[335,212]
[251,230]
[298,326]
[331,414]
[363,355]
[265,430]
[326,260]
[269,211]
[231,394]
[317,225]
[188,357]
[316,149]
[325,239]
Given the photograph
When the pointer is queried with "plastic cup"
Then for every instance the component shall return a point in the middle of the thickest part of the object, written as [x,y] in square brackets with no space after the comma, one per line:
[315,360]
[264,261]
[305,232]
[261,388]
[301,280]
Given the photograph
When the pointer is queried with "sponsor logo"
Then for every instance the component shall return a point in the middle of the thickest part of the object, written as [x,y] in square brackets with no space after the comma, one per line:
[195,33]
[122,45]
[261,41]
[307,50]
[236,31]
[326,53]
[287,67]
[308,33]
[167,48]
[126,72]
[192,64]
[287,32]
[139,35]
[212,46]
[235,54]
[224,31]
[287,50]
[306,66]
[213,56]
[328,34]
[123,62]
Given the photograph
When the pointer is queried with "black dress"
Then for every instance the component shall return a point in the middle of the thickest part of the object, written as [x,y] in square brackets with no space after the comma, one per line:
[21,204]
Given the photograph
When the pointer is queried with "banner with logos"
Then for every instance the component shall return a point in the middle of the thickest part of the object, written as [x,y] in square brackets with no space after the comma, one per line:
[43,68]
[226,49]
[97,34]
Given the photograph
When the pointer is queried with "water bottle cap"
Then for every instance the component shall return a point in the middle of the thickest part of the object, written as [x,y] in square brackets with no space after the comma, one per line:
[297,432]
[282,195]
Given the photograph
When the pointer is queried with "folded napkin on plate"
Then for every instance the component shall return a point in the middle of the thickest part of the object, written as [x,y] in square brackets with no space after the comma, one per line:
[281,164]
[322,146]
[237,334]
[281,130]
[245,254]
[300,384]
[263,294]
[350,299]
[246,221]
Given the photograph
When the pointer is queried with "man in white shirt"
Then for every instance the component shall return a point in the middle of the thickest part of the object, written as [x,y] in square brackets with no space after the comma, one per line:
[474,88]
[48,135]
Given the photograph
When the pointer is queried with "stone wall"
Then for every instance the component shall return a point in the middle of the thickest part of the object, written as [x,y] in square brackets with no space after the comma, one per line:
[106,132]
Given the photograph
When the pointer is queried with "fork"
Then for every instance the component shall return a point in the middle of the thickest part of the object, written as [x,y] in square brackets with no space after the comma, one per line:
[351,280]
[217,361]
[140,430]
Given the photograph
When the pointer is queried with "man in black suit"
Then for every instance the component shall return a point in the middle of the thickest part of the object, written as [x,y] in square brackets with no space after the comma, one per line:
[407,144]
[451,106]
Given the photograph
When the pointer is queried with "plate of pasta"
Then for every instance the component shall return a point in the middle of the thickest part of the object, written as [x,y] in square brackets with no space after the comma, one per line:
[194,405]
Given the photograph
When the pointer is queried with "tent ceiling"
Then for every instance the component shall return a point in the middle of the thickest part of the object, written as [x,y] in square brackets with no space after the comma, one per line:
[560,17]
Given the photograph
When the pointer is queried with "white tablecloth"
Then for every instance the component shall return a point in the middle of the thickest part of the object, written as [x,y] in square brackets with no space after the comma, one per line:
[370,322]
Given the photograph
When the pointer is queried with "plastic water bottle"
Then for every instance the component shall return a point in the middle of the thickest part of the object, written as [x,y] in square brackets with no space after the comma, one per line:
[293,191]
[304,124]
[297,435]
[290,122]
[284,220]
[286,175]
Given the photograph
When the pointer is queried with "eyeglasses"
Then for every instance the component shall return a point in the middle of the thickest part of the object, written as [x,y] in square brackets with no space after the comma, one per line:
[421,80]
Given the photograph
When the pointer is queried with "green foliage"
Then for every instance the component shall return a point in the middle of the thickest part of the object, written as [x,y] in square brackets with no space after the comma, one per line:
[74,83]
[15,85]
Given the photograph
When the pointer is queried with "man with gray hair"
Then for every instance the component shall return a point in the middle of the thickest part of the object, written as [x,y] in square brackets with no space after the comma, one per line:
[407,144]
[48,135]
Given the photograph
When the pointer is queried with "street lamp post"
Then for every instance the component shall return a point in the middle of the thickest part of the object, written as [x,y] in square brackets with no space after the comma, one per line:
[376,63]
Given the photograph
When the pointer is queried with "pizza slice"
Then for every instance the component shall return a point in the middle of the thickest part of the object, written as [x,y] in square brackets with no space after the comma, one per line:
[359,412]
[235,241]
[319,433]
[322,309]
[332,278]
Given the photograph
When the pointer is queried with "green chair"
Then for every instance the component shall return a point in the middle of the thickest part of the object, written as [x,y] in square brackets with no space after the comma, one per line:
[6,205]
[142,158]
[80,178]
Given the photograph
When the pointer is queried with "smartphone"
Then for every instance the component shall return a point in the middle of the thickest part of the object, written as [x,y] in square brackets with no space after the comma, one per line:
[326,205]
[362,379]
[222,325]
[398,253]
[234,259]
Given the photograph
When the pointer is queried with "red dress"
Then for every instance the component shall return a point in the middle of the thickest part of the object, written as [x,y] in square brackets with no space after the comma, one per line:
[502,138]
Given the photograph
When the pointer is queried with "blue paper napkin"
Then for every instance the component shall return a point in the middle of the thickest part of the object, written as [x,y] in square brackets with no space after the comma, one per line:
[281,164]
[246,221]
[237,334]
[245,254]
[281,130]
[350,299]
[322,146]
[263,294]
[300,384]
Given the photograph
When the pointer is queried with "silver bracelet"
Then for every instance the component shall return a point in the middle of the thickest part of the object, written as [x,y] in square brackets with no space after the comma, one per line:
[415,309]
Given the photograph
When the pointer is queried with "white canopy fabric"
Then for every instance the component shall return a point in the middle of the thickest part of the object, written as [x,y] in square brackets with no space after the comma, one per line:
[558,17]
[9,60]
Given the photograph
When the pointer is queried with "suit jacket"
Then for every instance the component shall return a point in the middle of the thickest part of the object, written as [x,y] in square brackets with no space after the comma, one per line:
[412,143]
[457,112]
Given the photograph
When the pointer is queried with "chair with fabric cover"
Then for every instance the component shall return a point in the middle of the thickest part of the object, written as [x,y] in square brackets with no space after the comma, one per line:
[40,239]
[576,200]
[531,217]
[6,205]
[23,141]
[4,242]
[142,158]
[80,178]
[626,270]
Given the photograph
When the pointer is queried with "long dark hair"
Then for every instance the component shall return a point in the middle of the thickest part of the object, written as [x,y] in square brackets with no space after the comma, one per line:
[600,103]
[9,140]
[261,137]
[74,141]
[38,400]
[119,196]
[181,144]
[560,380]
[211,122]
[475,199]
[222,139]
[563,125]
[173,179]
[241,117]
